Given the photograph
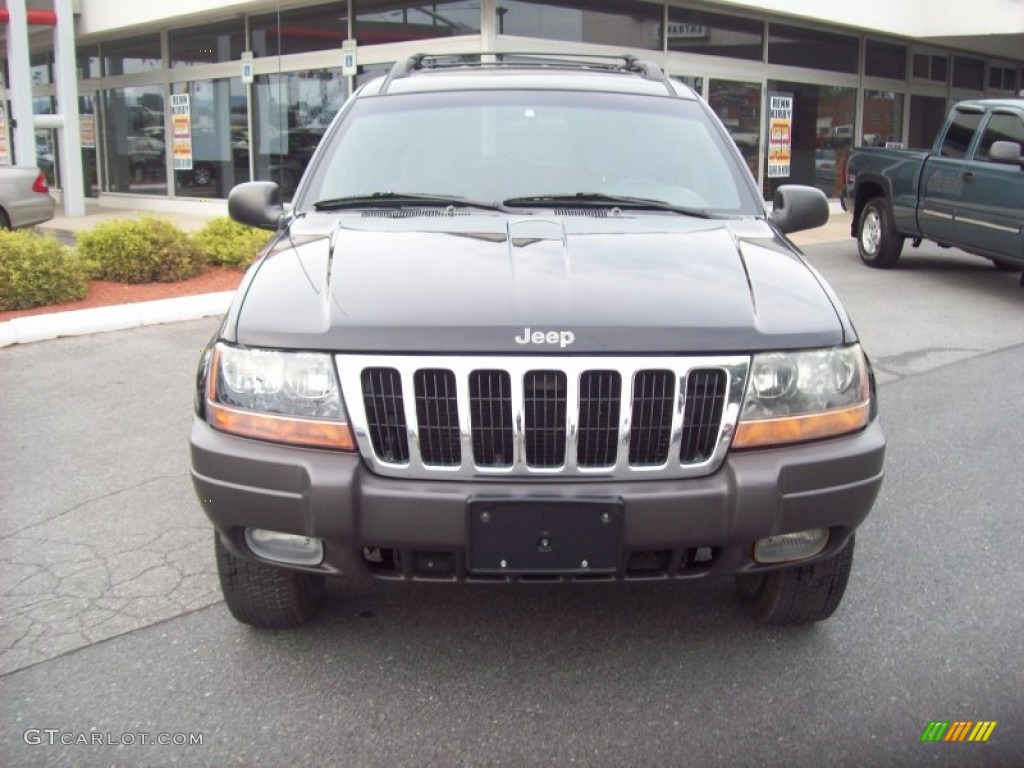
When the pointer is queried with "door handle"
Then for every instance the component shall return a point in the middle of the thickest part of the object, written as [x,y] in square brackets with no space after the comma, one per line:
[968,176]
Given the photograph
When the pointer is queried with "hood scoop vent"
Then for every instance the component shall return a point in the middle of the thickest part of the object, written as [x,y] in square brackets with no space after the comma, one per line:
[592,213]
[407,213]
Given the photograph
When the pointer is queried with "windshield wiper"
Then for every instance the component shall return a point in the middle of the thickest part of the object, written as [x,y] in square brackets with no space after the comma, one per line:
[600,199]
[397,199]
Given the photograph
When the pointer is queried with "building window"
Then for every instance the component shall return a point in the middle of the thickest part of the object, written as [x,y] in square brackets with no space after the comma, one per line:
[621,23]
[968,73]
[883,118]
[738,106]
[208,44]
[930,67]
[216,154]
[820,135]
[713,34]
[39,66]
[136,156]
[87,61]
[885,60]
[291,112]
[137,54]
[812,48]
[320,28]
[388,21]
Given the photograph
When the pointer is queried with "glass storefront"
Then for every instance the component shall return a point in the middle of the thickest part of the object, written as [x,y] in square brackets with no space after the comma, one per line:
[291,111]
[821,133]
[299,30]
[712,34]
[87,136]
[882,120]
[927,115]
[387,21]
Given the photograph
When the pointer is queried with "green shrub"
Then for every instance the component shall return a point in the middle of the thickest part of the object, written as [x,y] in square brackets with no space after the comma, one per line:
[37,270]
[146,250]
[226,242]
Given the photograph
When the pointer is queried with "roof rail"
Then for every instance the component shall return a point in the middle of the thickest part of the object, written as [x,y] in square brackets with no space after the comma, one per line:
[605,63]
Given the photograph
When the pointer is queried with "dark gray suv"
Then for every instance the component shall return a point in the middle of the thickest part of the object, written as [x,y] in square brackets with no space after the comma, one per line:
[527,320]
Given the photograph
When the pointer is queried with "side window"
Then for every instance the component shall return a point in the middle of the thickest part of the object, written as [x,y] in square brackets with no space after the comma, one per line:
[1000,128]
[958,137]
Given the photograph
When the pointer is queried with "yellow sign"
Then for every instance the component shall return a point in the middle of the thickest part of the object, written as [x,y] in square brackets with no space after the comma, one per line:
[780,134]
[181,132]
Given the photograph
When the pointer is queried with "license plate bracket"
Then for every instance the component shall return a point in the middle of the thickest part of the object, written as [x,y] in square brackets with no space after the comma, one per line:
[544,536]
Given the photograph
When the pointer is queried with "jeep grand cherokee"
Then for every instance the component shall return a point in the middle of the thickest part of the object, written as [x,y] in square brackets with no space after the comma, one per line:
[528,320]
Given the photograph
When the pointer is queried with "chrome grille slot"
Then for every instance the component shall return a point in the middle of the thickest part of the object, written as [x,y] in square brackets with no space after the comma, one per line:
[490,398]
[494,417]
[651,430]
[702,414]
[385,414]
[437,415]
[544,407]
[600,397]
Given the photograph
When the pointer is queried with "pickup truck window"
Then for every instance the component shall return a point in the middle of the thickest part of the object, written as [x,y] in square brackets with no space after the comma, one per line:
[961,131]
[1001,127]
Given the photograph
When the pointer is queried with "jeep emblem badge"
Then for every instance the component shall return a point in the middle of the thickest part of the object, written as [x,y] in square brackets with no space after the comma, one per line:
[561,338]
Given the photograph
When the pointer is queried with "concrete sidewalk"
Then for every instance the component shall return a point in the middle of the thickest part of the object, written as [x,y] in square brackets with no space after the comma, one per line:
[24,330]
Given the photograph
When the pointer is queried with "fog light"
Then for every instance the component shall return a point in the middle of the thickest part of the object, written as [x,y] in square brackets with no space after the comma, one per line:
[791,546]
[285,547]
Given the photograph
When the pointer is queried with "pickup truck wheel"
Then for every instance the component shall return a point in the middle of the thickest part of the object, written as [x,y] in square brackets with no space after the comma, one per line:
[801,594]
[264,596]
[878,242]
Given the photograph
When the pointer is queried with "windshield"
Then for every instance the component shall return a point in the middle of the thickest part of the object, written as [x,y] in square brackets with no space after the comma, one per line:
[492,146]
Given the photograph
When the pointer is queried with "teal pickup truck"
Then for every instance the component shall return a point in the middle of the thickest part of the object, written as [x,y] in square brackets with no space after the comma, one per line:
[967,192]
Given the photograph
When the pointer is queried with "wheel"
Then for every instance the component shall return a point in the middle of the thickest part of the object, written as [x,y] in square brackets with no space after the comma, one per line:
[878,242]
[5,223]
[202,175]
[264,596]
[801,594]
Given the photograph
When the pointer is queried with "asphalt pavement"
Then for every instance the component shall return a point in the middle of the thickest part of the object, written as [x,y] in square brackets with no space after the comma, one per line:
[113,631]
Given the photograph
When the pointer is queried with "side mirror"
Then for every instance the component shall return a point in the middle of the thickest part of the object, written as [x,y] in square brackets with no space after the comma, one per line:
[256,204]
[1006,152]
[795,208]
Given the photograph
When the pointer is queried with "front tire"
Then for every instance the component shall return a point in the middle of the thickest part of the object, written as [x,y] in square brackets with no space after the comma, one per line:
[265,596]
[878,242]
[801,594]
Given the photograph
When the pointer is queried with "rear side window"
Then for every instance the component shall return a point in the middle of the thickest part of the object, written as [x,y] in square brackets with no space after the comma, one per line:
[1000,127]
[961,131]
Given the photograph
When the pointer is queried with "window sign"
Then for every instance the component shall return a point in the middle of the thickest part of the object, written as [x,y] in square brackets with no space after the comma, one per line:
[181,132]
[349,59]
[5,152]
[780,132]
[247,76]
[678,30]
[87,130]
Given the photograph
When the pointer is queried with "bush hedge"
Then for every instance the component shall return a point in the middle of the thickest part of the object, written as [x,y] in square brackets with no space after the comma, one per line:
[37,270]
[228,243]
[146,250]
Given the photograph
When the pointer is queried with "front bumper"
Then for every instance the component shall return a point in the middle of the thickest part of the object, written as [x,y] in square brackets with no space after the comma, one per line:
[401,528]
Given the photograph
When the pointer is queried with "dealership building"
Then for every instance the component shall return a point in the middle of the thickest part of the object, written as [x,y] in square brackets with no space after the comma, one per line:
[167,104]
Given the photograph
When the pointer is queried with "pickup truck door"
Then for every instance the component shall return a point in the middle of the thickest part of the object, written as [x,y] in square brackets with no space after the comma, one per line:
[942,177]
[990,214]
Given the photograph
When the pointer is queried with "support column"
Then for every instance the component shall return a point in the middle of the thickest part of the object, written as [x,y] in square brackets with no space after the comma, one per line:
[20,85]
[69,136]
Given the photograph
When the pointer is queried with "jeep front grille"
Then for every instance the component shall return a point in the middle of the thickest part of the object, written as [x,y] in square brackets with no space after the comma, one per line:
[480,417]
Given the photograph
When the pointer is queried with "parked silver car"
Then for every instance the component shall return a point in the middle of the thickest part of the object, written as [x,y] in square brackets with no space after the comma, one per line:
[24,197]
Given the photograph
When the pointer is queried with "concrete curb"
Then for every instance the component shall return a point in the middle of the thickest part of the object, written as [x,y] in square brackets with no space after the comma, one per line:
[24,330]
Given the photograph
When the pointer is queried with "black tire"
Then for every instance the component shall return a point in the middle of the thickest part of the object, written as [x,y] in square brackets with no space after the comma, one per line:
[5,223]
[801,594]
[265,596]
[878,242]
[202,176]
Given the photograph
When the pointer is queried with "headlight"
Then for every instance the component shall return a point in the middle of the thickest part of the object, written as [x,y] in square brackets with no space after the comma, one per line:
[796,396]
[288,397]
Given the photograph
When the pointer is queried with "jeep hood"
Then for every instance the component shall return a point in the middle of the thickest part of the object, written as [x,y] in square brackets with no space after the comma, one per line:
[443,282]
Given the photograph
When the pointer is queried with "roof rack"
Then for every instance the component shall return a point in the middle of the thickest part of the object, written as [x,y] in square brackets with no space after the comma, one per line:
[599,62]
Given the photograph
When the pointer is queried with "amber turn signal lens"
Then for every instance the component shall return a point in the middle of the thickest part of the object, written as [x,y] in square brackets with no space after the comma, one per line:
[281,429]
[796,429]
